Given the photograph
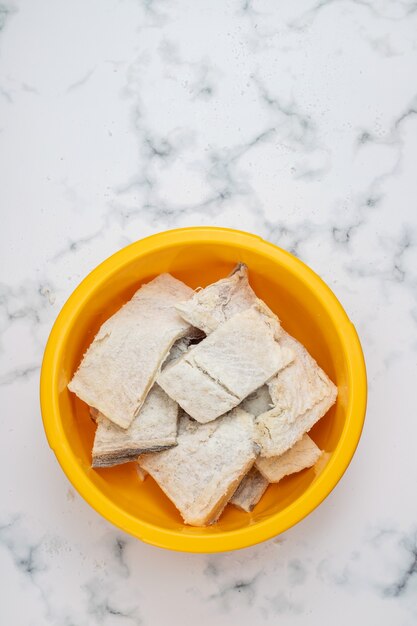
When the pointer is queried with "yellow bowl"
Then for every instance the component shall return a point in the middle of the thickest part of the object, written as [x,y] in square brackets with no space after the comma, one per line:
[307,308]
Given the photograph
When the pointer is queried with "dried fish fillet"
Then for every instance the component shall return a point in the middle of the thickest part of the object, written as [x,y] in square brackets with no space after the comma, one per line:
[216,303]
[302,455]
[301,385]
[196,392]
[234,360]
[200,474]
[294,391]
[302,393]
[275,435]
[250,491]
[154,428]
[121,364]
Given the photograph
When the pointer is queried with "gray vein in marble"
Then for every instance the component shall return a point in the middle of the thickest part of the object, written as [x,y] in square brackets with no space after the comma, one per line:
[297,127]
[297,573]
[18,374]
[154,149]
[26,306]
[100,605]
[203,87]
[281,604]
[6,10]
[119,553]
[383,47]
[14,87]
[154,18]
[29,88]
[76,244]
[336,575]
[306,19]
[26,555]
[292,238]
[342,235]
[81,81]
[221,174]
[297,131]
[391,556]
[71,194]
[247,7]
[392,136]
[211,570]
[28,300]
[400,586]
[105,595]
[404,116]
[403,244]
[6,95]
[397,247]
[202,84]
[373,201]
[241,590]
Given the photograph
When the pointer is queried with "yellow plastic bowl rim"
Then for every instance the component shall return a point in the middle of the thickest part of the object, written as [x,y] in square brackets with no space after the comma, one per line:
[201,541]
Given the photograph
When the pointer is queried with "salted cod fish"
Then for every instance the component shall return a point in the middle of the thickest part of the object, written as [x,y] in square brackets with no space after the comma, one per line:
[234,360]
[154,428]
[302,455]
[305,453]
[253,485]
[218,302]
[178,349]
[121,364]
[301,393]
[202,471]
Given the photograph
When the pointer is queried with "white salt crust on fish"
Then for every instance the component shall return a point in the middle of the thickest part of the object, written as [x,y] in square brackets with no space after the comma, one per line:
[232,362]
[203,470]
[301,394]
[215,304]
[154,428]
[122,362]
[302,455]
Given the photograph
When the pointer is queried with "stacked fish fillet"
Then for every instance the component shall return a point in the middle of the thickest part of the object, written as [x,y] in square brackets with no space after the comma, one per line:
[204,391]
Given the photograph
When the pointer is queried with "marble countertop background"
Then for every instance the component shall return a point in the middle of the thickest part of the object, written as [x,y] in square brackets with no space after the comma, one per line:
[293,120]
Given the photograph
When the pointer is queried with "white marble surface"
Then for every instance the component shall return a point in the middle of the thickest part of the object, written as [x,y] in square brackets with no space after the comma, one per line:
[293,120]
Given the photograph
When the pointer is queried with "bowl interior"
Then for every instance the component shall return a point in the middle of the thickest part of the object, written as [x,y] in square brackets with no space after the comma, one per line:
[301,313]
